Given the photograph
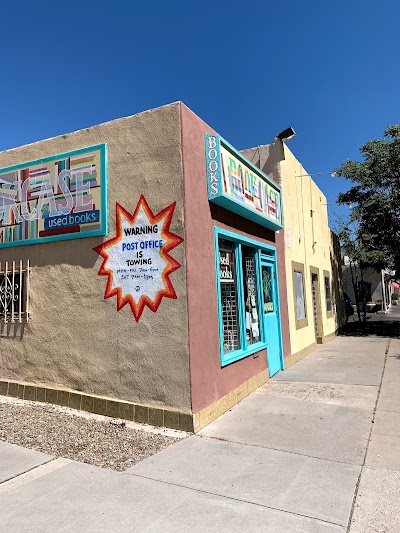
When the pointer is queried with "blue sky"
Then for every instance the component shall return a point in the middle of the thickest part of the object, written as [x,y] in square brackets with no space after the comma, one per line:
[249,69]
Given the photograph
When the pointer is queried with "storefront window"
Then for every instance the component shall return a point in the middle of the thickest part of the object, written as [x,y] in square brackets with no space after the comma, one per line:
[241,296]
[251,303]
[229,300]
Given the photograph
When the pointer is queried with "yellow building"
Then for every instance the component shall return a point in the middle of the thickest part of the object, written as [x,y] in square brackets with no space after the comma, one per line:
[312,252]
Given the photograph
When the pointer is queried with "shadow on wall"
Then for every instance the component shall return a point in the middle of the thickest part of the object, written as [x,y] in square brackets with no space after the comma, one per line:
[271,166]
[336,283]
[12,330]
[74,252]
[267,158]
[239,223]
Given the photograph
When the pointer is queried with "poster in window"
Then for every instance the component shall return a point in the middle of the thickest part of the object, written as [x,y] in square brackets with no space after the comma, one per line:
[226,274]
[250,295]
[267,289]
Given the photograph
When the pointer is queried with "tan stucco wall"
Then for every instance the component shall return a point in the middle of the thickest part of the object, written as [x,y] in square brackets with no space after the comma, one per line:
[307,241]
[77,339]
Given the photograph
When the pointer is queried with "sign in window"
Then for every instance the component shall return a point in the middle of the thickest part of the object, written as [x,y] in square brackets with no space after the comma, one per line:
[228,290]
[267,289]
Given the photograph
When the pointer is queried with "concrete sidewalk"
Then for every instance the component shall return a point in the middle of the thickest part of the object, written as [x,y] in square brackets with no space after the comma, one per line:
[316,450]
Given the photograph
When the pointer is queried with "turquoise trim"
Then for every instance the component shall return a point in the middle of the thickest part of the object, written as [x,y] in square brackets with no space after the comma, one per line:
[100,147]
[282,213]
[260,292]
[245,212]
[246,162]
[103,191]
[279,316]
[232,357]
[273,263]
[240,297]
[220,325]
[245,350]
[252,242]
[52,239]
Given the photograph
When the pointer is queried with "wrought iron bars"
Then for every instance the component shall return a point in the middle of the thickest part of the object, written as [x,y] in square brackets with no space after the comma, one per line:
[14,292]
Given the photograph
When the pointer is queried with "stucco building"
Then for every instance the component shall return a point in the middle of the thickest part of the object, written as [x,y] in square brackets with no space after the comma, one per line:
[188,313]
[374,288]
[146,272]
[311,251]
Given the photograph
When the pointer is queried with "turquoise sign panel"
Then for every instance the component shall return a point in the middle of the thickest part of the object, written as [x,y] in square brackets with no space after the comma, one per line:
[236,184]
[55,198]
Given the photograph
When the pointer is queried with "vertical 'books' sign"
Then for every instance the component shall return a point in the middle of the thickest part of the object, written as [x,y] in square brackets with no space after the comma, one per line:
[55,198]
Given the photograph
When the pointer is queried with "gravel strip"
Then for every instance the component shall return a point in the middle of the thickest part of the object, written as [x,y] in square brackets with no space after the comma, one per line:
[107,443]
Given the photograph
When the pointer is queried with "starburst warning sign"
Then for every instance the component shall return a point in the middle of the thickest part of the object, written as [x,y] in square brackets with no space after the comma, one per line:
[137,260]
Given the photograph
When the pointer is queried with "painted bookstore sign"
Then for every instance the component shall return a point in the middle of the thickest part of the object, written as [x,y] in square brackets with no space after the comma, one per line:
[237,185]
[55,198]
[137,260]
[226,266]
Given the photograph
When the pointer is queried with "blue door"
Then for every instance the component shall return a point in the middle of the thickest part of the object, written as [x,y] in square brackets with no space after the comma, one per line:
[271,318]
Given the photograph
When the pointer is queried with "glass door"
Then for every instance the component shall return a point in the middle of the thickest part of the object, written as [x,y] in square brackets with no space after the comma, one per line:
[271,317]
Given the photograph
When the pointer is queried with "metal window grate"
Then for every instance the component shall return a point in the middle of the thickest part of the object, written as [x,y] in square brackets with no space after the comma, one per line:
[229,317]
[251,301]
[14,292]
[251,275]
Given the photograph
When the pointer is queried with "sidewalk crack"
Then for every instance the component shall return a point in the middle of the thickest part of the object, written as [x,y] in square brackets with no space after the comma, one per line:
[369,439]
[232,498]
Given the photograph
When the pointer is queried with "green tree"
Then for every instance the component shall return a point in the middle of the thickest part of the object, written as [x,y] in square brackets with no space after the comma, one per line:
[356,260]
[375,196]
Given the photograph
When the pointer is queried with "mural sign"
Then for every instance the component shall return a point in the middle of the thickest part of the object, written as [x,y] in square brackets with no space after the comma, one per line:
[55,198]
[237,185]
[137,260]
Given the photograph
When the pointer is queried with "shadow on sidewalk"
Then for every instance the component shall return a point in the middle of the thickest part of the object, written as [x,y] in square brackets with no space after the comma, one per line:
[376,327]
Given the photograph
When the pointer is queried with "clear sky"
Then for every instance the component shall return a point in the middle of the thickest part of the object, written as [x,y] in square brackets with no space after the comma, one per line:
[249,69]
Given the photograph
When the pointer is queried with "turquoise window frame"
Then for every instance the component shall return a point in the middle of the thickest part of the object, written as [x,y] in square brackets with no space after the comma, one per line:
[245,348]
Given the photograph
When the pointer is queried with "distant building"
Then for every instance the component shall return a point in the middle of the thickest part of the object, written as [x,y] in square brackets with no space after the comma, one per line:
[375,288]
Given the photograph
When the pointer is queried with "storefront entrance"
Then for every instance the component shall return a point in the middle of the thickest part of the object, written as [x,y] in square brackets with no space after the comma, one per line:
[271,316]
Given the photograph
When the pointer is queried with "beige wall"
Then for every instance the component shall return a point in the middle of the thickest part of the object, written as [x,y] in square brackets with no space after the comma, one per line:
[77,339]
[308,242]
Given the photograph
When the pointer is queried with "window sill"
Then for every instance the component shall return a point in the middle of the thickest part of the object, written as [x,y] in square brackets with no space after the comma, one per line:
[302,323]
[232,357]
